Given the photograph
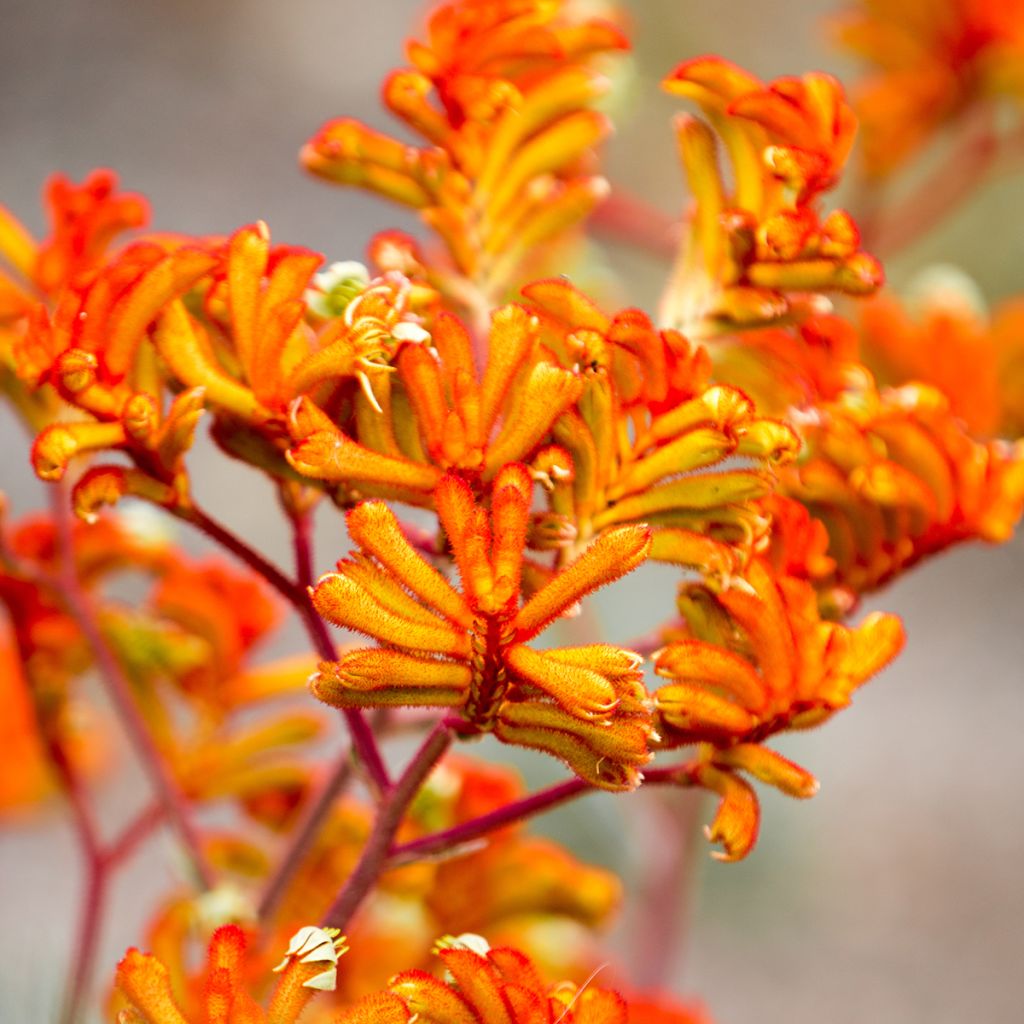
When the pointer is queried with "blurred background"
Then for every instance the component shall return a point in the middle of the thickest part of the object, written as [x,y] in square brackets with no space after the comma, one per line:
[896,895]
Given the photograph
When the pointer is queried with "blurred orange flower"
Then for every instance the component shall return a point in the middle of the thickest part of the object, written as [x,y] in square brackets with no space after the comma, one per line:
[976,361]
[931,61]
[757,249]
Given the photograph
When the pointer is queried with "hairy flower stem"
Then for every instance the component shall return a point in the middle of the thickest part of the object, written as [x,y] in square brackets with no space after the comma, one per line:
[298,596]
[119,689]
[374,858]
[519,810]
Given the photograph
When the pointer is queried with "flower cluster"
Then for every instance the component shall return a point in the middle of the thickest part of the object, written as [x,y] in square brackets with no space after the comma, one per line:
[502,93]
[500,444]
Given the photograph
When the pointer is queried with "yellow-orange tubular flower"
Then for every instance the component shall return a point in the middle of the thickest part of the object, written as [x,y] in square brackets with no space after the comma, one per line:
[931,61]
[976,360]
[437,412]
[894,476]
[758,250]
[501,986]
[758,660]
[649,440]
[469,650]
[309,966]
[502,93]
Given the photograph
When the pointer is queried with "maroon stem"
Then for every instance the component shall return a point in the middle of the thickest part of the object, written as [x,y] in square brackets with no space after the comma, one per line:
[627,218]
[374,858]
[520,810]
[362,737]
[133,833]
[887,230]
[86,941]
[119,690]
[304,834]
[91,913]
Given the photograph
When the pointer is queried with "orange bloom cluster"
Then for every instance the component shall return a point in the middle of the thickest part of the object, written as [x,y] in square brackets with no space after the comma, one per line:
[894,477]
[760,251]
[470,650]
[500,986]
[977,362]
[931,61]
[547,448]
[502,93]
[755,661]
[309,966]
[481,986]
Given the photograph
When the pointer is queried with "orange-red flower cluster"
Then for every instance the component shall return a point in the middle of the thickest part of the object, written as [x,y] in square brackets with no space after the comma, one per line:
[931,62]
[758,250]
[469,650]
[502,92]
[755,660]
[976,361]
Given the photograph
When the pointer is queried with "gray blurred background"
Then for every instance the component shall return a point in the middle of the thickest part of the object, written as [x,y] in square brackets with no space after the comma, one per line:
[896,895]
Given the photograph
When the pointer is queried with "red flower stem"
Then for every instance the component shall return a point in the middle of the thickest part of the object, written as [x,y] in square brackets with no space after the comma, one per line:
[298,596]
[93,902]
[132,834]
[976,155]
[86,941]
[519,810]
[119,690]
[374,858]
[302,544]
[221,535]
[627,218]
[304,834]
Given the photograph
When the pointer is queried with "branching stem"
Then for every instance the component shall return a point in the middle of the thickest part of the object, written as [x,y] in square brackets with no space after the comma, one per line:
[374,858]
[520,810]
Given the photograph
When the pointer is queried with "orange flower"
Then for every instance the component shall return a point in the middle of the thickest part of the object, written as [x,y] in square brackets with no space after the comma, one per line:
[502,93]
[26,778]
[85,219]
[931,61]
[760,252]
[438,413]
[309,966]
[790,368]
[495,986]
[894,477]
[759,660]
[976,361]
[647,440]
[469,650]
